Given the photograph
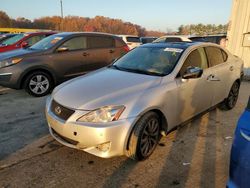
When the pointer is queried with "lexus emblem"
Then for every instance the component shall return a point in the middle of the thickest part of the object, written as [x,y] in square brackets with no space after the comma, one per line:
[58,110]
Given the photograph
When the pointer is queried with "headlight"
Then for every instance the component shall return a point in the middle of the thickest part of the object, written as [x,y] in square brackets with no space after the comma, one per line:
[104,114]
[9,62]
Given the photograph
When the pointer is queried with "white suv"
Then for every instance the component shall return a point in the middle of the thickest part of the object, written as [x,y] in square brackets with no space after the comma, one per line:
[131,41]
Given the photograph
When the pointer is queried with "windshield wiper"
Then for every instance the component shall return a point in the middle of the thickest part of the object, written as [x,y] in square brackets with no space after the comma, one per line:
[145,72]
[136,71]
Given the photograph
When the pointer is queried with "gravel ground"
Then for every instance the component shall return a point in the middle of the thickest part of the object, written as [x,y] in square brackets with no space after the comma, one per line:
[195,155]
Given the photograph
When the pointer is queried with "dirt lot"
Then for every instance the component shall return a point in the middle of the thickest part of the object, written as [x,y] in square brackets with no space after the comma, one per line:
[195,155]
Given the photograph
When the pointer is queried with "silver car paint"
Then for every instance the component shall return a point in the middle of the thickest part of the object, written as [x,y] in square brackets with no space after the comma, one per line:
[178,99]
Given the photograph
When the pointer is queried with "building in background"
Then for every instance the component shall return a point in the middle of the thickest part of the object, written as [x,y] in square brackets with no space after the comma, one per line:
[239,32]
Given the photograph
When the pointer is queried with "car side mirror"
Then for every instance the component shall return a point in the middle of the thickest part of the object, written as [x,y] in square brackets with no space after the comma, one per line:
[192,73]
[62,49]
[24,44]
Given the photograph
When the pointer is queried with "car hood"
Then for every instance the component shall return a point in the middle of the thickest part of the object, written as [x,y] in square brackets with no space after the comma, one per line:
[18,53]
[103,87]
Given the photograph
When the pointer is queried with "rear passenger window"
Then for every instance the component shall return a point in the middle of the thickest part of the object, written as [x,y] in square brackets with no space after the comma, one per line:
[173,39]
[214,55]
[133,39]
[224,55]
[76,43]
[101,42]
[196,58]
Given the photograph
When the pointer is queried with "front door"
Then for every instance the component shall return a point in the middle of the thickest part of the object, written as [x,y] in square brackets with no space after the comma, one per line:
[194,95]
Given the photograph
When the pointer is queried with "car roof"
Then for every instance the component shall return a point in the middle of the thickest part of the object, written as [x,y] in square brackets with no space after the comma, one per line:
[64,34]
[181,45]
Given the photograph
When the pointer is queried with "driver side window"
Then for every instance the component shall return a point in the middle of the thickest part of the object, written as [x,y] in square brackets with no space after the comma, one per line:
[76,43]
[196,58]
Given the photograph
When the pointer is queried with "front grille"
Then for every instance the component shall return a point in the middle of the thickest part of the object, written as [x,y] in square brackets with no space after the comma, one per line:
[61,111]
[73,142]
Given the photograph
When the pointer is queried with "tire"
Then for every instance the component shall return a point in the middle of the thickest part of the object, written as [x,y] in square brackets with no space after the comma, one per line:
[38,84]
[230,102]
[144,137]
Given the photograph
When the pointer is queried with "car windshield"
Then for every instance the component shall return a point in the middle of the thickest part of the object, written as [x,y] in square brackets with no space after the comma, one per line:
[46,43]
[156,61]
[12,40]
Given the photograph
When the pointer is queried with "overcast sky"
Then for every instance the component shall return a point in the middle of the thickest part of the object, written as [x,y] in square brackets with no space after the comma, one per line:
[154,15]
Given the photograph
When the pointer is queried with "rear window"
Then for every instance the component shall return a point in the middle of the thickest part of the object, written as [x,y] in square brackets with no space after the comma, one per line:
[100,42]
[214,55]
[133,39]
[173,39]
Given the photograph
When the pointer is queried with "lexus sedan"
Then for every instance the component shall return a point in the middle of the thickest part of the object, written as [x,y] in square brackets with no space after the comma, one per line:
[125,108]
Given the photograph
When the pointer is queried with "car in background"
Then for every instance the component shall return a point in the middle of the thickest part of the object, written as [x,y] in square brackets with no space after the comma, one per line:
[22,40]
[122,109]
[6,36]
[131,41]
[239,175]
[58,58]
[145,40]
[217,39]
[172,38]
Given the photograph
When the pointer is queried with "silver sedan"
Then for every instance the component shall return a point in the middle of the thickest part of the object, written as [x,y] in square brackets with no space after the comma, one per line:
[125,108]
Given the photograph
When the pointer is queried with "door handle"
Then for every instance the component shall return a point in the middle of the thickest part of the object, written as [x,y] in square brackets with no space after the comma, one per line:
[212,77]
[111,51]
[231,68]
[85,54]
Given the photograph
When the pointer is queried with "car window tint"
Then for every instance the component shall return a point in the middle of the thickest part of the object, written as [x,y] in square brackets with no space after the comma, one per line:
[100,42]
[34,39]
[76,43]
[214,55]
[133,39]
[173,39]
[196,58]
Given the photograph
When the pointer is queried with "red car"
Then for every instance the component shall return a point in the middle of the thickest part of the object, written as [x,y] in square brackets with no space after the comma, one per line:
[23,40]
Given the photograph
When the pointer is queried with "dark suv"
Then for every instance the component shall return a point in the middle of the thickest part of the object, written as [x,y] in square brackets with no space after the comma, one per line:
[58,58]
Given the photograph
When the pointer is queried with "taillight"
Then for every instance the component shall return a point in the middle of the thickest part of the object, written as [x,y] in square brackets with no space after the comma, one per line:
[126,48]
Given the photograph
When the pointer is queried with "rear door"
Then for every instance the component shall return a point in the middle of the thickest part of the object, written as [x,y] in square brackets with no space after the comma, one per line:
[101,51]
[194,95]
[221,73]
[73,61]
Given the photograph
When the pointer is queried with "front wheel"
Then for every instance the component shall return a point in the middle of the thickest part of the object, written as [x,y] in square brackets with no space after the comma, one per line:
[144,137]
[38,84]
[232,98]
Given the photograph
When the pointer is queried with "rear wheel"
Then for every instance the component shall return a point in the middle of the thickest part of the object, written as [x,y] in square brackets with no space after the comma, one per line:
[230,102]
[38,84]
[144,137]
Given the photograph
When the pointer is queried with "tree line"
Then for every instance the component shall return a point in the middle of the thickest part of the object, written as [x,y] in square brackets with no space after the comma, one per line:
[102,24]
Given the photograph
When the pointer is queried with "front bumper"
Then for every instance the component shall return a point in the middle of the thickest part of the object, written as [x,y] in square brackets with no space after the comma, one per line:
[10,77]
[103,140]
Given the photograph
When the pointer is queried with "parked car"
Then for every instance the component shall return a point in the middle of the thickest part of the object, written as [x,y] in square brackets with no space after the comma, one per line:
[145,40]
[124,108]
[172,38]
[6,36]
[240,153]
[58,58]
[131,41]
[217,39]
[22,40]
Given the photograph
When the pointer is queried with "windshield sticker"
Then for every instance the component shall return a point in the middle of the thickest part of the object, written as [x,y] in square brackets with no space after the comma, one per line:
[55,40]
[174,50]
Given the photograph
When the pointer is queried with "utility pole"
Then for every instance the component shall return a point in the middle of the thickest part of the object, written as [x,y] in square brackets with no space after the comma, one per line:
[61,15]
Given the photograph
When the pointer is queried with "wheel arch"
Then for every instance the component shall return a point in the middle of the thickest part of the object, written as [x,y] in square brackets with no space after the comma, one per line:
[163,123]
[35,69]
